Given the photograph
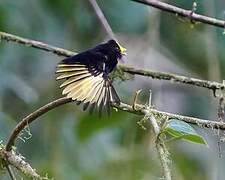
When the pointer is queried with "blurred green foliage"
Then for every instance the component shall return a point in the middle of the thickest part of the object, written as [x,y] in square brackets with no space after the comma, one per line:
[70,144]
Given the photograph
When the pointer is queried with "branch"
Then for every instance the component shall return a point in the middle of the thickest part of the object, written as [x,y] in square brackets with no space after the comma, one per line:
[8,168]
[18,162]
[124,107]
[163,153]
[174,78]
[141,110]
[182,12]
[35,44]
[220,114]
[31,117]
[102,18]
[160,146]
[152,74]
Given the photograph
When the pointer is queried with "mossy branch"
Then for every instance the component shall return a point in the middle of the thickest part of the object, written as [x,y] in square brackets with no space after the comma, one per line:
[140,109]
[190,14]
[153,74]
[17,161]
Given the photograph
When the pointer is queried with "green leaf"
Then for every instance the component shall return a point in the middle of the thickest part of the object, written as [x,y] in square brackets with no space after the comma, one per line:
[182,130]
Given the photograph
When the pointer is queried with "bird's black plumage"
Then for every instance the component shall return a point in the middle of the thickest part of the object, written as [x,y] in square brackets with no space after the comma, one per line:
[86,76]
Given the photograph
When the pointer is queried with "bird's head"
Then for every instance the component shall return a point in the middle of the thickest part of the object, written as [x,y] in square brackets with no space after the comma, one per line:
[117,48]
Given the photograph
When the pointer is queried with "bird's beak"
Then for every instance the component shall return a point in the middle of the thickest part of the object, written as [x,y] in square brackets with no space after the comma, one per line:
[122,50]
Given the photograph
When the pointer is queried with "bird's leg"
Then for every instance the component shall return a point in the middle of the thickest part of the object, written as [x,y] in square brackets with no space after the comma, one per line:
[135,99]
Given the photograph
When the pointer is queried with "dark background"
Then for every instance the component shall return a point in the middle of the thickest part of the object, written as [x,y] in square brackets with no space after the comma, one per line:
[68,143]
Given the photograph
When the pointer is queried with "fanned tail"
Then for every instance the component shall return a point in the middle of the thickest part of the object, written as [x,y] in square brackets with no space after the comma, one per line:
[82,85]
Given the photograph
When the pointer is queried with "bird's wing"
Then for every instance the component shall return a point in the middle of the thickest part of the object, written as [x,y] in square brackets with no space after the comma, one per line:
[85,81]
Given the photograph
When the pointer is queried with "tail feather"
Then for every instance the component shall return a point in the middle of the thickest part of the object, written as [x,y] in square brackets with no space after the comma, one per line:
[87,85]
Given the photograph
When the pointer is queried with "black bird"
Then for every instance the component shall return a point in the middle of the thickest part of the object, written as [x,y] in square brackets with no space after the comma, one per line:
[86,76]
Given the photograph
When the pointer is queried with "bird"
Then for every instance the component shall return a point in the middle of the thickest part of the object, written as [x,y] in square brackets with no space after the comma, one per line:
[86,76]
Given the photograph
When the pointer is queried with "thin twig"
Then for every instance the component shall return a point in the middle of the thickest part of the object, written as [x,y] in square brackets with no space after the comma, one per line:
[174,78]
[102,18]
[9,169]
[220,119]
[153,74]
[221,109]
[140,109]
[182,12]
[160,146]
